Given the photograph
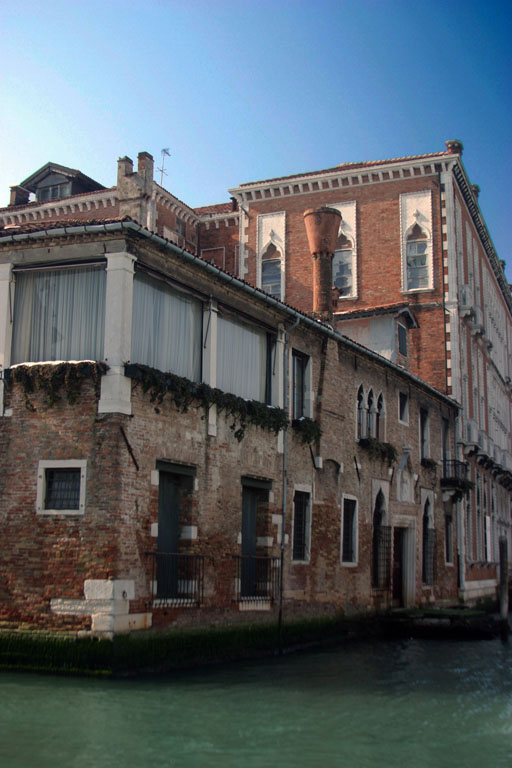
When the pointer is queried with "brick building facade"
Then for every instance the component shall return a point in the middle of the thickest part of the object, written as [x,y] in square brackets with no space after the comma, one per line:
[377,511]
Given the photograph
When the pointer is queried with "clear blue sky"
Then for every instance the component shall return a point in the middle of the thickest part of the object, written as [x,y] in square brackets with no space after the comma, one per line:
[241,91]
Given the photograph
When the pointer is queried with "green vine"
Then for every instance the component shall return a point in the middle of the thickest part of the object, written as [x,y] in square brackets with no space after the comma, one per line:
[53,378]
[183,393]
[308,429]
[378,450]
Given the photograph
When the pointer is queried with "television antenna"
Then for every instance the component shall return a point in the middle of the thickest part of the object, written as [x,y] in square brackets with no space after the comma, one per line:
[163,172]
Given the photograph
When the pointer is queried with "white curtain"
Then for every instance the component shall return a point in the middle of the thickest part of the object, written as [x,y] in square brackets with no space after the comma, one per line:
[59,314]
[241,359]
[166,328]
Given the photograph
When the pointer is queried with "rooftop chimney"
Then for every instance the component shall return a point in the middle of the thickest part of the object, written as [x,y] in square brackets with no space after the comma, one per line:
[19,196]
[475,190]
[322,226]
[454,147]
[124,167]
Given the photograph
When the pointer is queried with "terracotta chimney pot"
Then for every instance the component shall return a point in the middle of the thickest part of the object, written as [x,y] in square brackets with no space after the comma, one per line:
[322,227]
[454,147]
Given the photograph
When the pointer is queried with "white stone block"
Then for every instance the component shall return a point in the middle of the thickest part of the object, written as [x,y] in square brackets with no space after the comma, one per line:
[188,532]
[154,530]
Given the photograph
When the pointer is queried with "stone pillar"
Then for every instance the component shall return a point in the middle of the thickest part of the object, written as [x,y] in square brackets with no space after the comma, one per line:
[322,227]
[115,386]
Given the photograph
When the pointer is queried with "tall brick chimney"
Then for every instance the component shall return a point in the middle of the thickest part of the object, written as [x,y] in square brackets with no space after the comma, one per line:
[322,226]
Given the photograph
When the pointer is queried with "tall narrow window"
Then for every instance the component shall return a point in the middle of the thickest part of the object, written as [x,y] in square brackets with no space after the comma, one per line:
[343,269]
[360,412]
[271,271]
[369,414]
[448,538]
[59,314]
[424,434]
[349,531]
[299,369]
[402,339]
[428,546]
[403,407]
[301,526]
[417,259]
[381,546]
[379,419]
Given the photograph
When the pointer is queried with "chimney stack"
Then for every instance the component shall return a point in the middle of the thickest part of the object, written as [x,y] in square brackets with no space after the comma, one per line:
[19,196]
[322,227]
[454,147]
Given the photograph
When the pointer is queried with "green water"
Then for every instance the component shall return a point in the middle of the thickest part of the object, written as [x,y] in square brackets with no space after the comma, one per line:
[397,704]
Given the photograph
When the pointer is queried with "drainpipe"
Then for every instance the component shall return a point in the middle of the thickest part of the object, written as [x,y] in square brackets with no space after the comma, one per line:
[285,480]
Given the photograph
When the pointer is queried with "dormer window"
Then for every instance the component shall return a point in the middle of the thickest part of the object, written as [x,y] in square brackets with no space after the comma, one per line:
[53,192]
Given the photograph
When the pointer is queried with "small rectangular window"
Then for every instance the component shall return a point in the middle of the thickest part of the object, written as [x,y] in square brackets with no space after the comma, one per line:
[301,526]
[349,531]
[448,538]
[271,277]
[403,407]
[61,487]
[180,226]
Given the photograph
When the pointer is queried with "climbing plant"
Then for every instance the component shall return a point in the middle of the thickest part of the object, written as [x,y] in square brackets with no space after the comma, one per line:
[54,378]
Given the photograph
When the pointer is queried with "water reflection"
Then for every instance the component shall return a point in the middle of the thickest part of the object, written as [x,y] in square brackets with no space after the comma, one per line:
[415,703]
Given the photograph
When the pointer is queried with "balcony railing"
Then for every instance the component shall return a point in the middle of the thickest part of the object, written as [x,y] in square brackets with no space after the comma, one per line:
[455,473]
[178,578]
[257,578]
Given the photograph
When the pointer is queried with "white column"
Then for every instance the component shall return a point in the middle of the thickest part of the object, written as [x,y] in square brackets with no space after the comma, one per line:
[210,358]
[115,386]
[6,309]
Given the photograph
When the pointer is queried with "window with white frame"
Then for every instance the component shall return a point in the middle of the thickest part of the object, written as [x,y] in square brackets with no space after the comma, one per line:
[417,259]
[343,271]
[349,530]
[301,526]
[427,570]
[271,271]
[59,314]
[61,487]
[166,328]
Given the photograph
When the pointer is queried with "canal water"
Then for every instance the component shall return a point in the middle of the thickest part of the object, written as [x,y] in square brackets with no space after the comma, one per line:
[407,704]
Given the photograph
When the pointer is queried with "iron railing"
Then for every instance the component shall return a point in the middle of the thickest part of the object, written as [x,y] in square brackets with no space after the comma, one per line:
[257,577]
[454,470]
[178,578]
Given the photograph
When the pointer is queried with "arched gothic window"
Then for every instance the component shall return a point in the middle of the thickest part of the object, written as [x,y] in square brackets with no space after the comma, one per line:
[343,267]
[271,271]
[360,412]
[369,414]
[381,545]
[379,418]
[417,259]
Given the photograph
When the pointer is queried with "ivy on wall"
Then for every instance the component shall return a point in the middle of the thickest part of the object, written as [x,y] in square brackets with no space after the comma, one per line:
[52,379]
[379,450]
[183,393]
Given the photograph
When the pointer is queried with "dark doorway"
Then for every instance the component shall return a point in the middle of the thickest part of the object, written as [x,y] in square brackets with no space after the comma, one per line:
[172,488]
[252,499]
[398,566]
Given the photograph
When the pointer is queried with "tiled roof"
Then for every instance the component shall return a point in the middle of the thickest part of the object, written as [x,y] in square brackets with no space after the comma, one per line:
[45,225]
[347,167]
[211,210]
[58,201]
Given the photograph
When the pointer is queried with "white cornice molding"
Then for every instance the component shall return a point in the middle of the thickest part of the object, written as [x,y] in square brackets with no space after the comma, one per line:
[324,181]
